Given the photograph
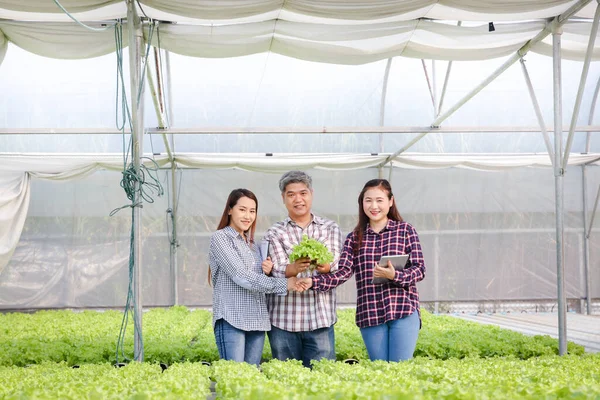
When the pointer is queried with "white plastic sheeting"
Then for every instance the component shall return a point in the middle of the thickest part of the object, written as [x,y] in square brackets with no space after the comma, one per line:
[260,10]
[486,235]
[329,31]
[338,44]
[14,203]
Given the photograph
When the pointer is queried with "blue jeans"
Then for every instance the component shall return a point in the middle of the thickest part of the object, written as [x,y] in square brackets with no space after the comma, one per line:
[238,345]
[305,346]
[394,340]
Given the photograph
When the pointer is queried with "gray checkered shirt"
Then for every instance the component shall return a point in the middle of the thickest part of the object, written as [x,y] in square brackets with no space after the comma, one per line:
[309,310]
[239,285]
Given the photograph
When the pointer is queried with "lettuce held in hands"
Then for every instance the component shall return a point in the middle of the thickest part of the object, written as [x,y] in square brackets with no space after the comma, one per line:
[313,249]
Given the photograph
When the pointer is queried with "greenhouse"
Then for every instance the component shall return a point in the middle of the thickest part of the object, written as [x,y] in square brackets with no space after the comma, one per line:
[481,114]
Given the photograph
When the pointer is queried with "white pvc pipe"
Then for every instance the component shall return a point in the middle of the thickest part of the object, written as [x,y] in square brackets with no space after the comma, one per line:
[336,130]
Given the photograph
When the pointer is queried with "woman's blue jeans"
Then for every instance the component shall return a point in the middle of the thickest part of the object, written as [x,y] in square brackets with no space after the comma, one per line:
[238,345]
[394,340]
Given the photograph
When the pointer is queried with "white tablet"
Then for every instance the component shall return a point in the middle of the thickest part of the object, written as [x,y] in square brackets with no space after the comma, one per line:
[398,261]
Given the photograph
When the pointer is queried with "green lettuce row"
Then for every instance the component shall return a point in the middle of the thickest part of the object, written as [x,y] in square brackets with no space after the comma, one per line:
[178,334]
[104,381]
[547,377]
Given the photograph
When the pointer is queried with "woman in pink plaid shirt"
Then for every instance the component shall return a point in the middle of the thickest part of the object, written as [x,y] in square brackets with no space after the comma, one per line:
[387,313]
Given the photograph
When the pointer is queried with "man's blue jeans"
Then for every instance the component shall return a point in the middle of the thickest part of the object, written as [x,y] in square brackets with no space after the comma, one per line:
[238,345]
[305,346]
[393,341]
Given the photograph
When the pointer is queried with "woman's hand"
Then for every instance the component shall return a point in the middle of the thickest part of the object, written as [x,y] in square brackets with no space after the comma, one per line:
[388,272]
[323,268]
[267,266]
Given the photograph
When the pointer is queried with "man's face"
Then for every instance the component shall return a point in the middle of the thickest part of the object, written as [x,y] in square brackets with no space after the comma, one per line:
[297,198]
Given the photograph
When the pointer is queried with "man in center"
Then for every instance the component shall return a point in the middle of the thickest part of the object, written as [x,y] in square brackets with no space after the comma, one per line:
[301,322]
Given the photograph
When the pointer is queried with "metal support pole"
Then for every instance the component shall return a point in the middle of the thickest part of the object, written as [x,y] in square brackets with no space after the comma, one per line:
[591,117]
[584,74]
[136,43]
[436,273]
[559,191]
[174,245]
[386,76]
[446,80]
[169,98]
[586,242]
[174,184]
[591,224]
[286,130]
[429,86]
[434,88]
[159,106]
[587,228]
[538,111]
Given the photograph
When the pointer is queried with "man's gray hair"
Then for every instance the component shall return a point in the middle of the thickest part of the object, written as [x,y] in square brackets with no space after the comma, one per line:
[294,177]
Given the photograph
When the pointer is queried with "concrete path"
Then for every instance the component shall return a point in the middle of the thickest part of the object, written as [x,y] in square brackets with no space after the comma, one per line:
[581,329]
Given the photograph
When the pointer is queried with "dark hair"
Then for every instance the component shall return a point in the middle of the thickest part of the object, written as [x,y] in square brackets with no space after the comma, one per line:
[232,200]
[363,219]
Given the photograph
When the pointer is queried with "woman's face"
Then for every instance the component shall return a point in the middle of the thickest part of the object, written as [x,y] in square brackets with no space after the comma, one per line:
[242,215]
[376,204]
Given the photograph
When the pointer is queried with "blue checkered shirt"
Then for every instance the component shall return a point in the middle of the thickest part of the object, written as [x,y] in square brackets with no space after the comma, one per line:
[239,284]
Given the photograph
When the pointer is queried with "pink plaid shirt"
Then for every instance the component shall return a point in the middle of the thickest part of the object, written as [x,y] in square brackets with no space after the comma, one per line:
[378,304]
[309,310]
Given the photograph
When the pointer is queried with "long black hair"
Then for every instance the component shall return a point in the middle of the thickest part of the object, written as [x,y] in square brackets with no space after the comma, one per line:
[234,197]
[363,218]
[232,200]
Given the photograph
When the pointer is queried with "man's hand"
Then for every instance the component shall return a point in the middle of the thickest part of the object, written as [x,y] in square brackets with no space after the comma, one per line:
[267,266]
[303,284]
[291,283]
[298,266]
[388,272]
[323,268]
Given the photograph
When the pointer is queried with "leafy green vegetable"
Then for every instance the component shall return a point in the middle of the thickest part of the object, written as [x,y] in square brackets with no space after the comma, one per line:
[313,249]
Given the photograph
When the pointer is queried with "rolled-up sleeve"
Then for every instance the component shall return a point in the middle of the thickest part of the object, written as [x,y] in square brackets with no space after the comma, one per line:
[225,257]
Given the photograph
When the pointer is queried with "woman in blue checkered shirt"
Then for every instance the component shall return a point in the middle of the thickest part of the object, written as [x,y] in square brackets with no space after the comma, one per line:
[240,316]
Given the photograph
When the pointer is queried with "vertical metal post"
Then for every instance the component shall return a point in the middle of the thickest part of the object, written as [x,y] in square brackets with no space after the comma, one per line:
[169,99]
[434,89]
[559,190]
[174,240]
[436,272]
[174,183]
[586,228]
[136,42]
[382,108]
[586,242]
[445,87]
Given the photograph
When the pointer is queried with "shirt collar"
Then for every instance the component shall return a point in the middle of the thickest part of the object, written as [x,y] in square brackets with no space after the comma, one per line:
[391,224]
[315,220]
[233,233]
